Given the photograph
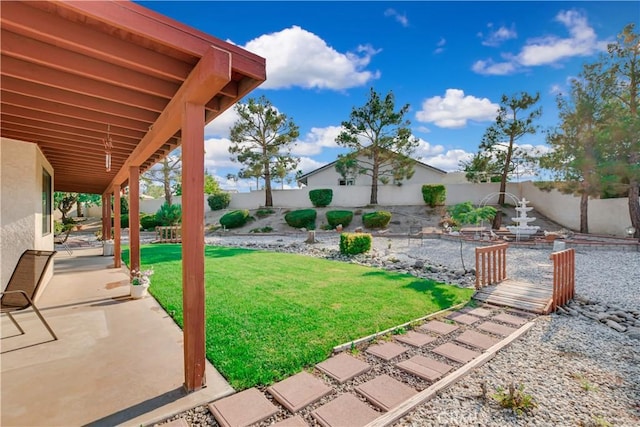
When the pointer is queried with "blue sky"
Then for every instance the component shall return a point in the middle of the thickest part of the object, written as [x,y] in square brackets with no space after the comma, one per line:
[451,61]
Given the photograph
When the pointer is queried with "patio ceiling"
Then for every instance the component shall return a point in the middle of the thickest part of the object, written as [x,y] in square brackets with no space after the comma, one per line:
[73,72]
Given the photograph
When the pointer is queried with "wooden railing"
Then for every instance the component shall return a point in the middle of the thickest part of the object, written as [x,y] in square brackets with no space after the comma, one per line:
[169,234]
[564,275]
[491,264]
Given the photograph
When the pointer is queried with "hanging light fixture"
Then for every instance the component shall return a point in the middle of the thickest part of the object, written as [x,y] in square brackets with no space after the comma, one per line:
[108,146]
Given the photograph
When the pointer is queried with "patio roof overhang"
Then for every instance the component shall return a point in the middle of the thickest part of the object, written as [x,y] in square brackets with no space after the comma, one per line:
[73,73]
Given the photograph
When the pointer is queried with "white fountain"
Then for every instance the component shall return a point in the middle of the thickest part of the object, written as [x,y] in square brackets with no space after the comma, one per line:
[522,220]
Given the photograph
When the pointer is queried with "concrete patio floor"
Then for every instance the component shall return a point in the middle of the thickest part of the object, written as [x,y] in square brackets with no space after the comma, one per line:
[117,361]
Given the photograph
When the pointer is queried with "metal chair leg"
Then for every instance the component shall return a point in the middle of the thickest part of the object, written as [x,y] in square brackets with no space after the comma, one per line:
[44,322]
[16,323]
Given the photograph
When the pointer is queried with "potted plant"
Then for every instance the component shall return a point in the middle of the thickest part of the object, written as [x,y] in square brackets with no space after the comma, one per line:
[140,283]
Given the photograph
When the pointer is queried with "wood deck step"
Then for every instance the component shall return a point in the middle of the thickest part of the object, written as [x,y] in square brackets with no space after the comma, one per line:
[517,294]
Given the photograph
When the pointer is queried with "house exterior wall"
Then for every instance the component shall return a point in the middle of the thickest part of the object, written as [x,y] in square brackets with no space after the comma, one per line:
[21,166]
[328,178]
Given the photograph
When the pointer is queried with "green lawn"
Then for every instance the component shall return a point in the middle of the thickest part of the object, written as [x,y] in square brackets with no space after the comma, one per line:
[269,315]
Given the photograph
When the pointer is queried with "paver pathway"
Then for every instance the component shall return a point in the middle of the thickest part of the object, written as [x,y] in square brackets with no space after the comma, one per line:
[355,389]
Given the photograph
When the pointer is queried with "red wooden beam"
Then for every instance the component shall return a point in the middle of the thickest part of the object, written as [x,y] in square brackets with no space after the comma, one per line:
[134,218]
[117,262]
[107,233]
[193,245]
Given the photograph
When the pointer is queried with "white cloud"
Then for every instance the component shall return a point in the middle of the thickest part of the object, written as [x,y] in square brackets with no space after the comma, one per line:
[555,89]
[548,50]
[316,140]
[440,46]
[401,18]
[307,164]
[217,154]
[423,129]
[296,57]
[426,149]
[448,161]
[455,109]
[493,68]
[496,37]
[219,127]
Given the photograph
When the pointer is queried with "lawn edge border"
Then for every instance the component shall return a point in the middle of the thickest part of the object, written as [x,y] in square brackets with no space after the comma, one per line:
[349,344]
[394,414]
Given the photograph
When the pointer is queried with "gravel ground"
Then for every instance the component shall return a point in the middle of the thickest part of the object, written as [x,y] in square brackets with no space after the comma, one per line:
[579,371]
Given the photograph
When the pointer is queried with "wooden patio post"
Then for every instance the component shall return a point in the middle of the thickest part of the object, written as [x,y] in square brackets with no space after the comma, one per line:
[116,227]
[104,216]
[106,234]
[134,218]
[193,245]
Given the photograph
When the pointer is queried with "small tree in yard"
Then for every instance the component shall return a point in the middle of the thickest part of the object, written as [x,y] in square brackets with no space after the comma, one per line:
[503,134]
[380,141]
[261,138]
[167,173]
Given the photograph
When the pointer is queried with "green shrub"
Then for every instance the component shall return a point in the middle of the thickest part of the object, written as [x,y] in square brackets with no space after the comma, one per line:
[303,218]
[124,221]
[354,243]
[219,201]
[377,219]
[334,218]
[235,219]
[515,399]
[321,197]
[465,213]
[434,195]
[169,214]
[148,222]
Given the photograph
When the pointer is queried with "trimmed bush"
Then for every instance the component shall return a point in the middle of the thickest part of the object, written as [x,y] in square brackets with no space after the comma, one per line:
[355,243]
[169,214]
[303,218]
[263,213]
[321,197]
[219,201]
[434,195]
[377,219]
[124,221]
[235,219]
[148,222]
[334,218]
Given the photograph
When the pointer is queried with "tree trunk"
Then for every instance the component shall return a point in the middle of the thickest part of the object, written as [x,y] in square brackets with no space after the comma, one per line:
[166,182]
[584,212]
[79,209]
[634,206]
[374,181]
[268,197]
[497,220]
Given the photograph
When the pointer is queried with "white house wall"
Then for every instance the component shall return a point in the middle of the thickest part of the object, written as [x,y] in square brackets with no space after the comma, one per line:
[21,166]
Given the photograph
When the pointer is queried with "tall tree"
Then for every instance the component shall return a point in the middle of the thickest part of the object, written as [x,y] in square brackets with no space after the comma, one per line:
[380,141]
[576,152]
[64,202]
[167,173]
[482,167]
[624,128]
[87,200]
[509,128]
[211,185]
[261,136]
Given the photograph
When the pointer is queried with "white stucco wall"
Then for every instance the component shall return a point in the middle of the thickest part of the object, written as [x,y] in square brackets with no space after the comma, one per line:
[21,166]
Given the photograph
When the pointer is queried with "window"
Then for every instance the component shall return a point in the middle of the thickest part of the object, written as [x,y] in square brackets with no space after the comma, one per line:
[347,182]
[46,202]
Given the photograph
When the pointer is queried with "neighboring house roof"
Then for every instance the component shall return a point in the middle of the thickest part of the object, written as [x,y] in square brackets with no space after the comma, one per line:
[303,178]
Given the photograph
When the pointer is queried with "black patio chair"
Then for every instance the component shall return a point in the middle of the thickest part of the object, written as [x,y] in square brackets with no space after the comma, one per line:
[23,286]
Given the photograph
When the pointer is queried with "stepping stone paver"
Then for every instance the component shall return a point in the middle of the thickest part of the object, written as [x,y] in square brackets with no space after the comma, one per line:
[346,410]
[343,367]
[479,311]
[298,391]
[456,353]
[466,319]
[387,350]
[415,339]
[496,328]
[524,314]
[424,367]
[242,409]
[385,392]
[180,422]
[439,327]
[476,339]
[511,319]
[296,421]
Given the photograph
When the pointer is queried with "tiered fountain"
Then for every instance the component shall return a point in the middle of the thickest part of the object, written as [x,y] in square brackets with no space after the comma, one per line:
[522,220]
